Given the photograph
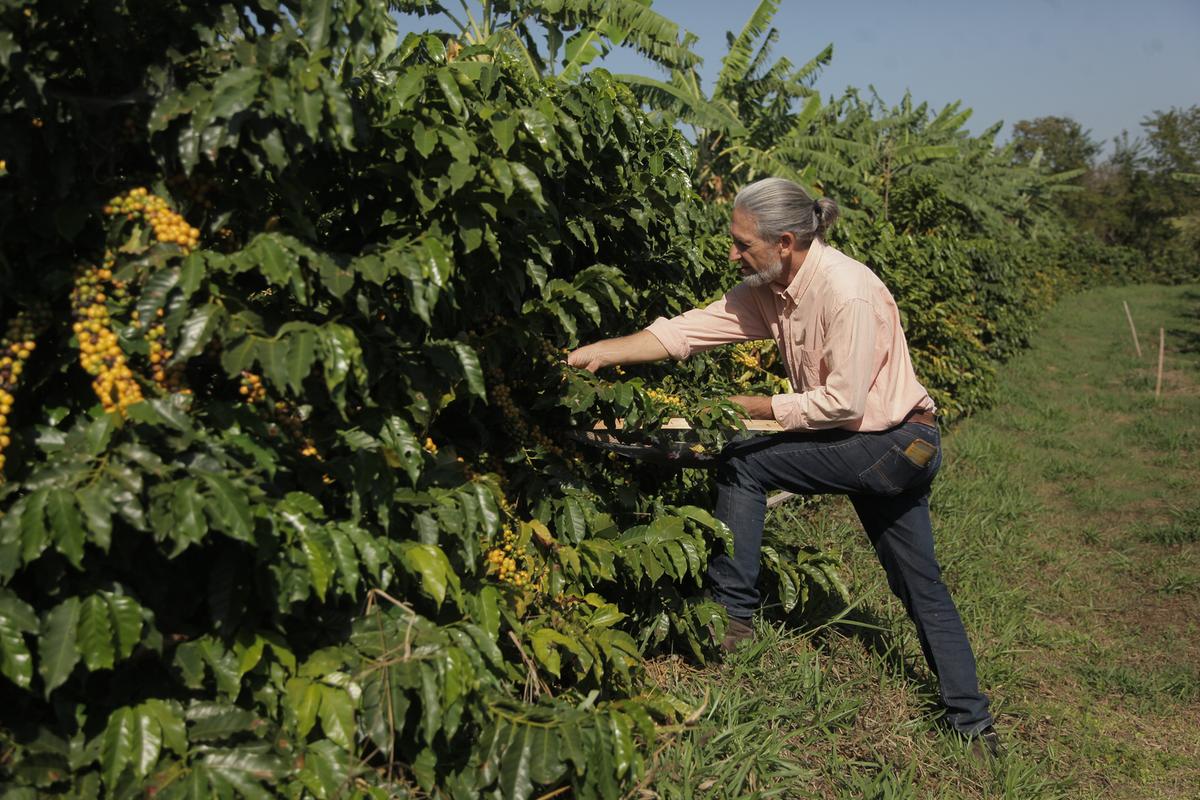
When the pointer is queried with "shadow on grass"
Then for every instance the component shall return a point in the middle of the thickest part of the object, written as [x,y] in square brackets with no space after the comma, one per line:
[1189,338]
[879,638]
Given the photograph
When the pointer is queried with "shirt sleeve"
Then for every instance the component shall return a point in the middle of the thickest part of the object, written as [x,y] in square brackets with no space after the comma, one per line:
[850,358]
[733,318]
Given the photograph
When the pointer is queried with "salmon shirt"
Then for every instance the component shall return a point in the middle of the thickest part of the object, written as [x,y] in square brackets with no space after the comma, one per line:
[838,331]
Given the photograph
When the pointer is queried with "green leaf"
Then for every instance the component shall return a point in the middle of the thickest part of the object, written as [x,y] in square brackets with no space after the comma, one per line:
[126,617]
[341,356]
[301,352]
[528,181]
[249,651]
[95,502]
[304,700]
[624,749]
[66,524]
[212,721]
[545,652]
[489,611]
[315,545]
[147,743]
[96,634]
[228,508]
[57,651]
[196,331]
[337,716]
[326,771]
[572,522]
[308,112]
[504,130]
[117,745]
[450,91]
[8,46]
[401,448]
[154,294]
[429,563]
[345,557]
[34,536]
[424,139]
[16,619]
[169,716]
[515,781]
[460,359]
[234,91]
[190,523]
[244,768]
[545,764]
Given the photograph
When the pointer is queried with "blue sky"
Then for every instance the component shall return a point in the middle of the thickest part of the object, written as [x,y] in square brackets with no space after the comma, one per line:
[1106,64]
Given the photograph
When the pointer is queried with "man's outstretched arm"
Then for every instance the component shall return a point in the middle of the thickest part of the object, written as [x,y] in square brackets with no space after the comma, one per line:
[636,348]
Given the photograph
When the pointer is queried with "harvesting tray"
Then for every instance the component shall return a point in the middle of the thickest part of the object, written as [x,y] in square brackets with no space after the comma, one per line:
[674,443]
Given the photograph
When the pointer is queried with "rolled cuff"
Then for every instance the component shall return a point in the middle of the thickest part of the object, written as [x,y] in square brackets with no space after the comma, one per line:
[787,412]
[802,411]
[673,341]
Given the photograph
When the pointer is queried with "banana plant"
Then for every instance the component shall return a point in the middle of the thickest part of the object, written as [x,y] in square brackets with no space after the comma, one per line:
[580,30]
[748,127]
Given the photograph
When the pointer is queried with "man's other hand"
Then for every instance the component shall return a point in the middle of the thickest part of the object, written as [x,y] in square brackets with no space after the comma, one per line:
[636,348]
[590,357]
[757,406]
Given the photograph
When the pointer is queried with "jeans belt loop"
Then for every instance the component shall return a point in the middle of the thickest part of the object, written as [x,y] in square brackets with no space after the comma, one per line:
[921,416]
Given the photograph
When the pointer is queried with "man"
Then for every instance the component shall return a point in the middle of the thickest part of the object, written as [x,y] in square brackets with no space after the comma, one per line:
[859,422]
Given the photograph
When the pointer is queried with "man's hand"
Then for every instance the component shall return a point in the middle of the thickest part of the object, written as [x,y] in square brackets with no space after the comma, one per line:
[590,357]
[757,406]
[636,348]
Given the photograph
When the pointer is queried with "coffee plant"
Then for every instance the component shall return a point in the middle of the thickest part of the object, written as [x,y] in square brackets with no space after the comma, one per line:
[289,505]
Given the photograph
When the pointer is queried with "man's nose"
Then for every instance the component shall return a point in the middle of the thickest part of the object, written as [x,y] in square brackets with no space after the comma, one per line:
[734,253]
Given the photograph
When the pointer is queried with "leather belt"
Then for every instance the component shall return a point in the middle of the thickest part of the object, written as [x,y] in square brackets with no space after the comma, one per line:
[921,416]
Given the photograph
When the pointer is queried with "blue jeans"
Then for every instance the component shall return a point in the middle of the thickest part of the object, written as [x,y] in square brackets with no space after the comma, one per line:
[887,478]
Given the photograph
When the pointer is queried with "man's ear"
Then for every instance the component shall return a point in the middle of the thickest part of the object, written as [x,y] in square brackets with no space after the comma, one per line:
[787,244]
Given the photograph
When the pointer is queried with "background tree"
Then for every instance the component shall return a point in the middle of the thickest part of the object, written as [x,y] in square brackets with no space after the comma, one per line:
[1062,141]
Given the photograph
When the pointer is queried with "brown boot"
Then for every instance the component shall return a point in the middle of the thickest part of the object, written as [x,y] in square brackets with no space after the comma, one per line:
[985,746]
[736,632]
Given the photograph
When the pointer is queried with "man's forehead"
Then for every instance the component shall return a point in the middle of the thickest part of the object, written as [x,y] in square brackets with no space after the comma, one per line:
[741,221]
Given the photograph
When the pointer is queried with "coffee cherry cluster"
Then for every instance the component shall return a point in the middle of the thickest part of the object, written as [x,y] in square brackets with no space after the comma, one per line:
[672,402]
[758,356]
[429,446]
[15,348]
[252,388]
[167,225]
[745,353]
[505,561]
[169,378]
[521,430]
[99,352]
[286,417]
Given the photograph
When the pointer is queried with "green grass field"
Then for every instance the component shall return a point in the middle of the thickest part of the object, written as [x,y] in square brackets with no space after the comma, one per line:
[1068,527]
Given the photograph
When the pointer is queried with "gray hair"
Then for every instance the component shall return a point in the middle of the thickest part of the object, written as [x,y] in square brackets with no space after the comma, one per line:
[780,206]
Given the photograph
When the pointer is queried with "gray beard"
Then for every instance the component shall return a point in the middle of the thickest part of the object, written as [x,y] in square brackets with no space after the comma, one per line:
[762,278]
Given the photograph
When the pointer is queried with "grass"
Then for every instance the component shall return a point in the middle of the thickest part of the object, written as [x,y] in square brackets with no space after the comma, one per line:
[1068,528]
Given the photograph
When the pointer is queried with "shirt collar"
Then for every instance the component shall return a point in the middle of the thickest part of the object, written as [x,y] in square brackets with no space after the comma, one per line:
[795,290]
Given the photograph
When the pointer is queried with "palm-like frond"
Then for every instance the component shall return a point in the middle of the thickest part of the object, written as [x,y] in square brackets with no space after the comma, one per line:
[628,22]
[808,72]
[686,103]
[735,66]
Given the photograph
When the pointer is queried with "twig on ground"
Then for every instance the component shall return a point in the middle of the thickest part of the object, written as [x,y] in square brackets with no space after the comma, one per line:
[1132,329]
[1162,340]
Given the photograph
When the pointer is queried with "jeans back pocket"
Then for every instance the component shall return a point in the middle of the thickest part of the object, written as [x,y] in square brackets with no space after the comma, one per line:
[902,468]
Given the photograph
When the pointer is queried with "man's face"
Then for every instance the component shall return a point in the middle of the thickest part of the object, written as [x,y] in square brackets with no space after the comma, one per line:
[759,260]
